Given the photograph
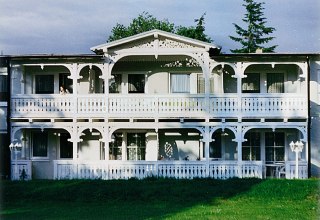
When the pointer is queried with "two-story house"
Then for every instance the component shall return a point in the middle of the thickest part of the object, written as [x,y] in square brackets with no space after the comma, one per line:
[158,104]
[4,136]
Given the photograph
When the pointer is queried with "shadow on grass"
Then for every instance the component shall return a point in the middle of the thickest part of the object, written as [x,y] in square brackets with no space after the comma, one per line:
[117,199]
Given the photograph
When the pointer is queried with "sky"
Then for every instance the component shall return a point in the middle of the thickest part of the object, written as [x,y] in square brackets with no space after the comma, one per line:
[73,26]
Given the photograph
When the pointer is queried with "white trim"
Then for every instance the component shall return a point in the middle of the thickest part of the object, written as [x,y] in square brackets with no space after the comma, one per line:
[154,33]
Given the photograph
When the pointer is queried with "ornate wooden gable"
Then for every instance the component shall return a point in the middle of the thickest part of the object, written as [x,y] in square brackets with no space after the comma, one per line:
[153,42]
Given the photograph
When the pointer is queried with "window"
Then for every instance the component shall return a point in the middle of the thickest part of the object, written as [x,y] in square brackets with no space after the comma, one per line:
[229,83]
[66,148]
[274,146]
[251,147]
[65,81]
[40,144]
[44,84]
[251,84]
[136,83]
[115,83]
[180,83]
[136,146]
[201,84]
[115,147]
[3,88]
[215,146]
[275,82]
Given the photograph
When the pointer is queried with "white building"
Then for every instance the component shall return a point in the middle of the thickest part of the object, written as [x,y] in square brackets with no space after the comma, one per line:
[158,104]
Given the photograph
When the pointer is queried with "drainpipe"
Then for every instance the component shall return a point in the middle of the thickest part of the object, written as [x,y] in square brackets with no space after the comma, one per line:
[309,117]
[7,151]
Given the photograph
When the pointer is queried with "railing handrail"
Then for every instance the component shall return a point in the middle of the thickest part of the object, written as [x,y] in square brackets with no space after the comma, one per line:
[169,105]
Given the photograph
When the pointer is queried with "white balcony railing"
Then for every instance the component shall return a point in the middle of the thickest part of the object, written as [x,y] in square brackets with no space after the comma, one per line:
[115,105]
[68,169]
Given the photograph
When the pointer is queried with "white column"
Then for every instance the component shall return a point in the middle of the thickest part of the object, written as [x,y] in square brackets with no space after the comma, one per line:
[207,140]
[124,146]
[75,140]
[239,74]
[74,76]
[106,143]
[239,148]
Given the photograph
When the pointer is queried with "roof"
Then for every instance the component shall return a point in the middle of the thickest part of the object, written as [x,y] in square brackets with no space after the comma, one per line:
[155,33]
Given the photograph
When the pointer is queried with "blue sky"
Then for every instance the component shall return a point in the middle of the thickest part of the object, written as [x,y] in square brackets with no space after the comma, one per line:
[73,26]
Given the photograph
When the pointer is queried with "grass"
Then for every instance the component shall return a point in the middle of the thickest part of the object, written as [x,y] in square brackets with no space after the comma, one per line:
[161,199]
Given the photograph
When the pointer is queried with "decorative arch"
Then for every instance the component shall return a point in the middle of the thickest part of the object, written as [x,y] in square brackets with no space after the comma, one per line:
[302,129]
[14,130]
[233,129]
[82,129]
[302,65]
[222,64]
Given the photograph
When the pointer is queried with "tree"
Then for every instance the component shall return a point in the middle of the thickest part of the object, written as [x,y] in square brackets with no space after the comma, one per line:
[195,32]
[256,33]
[146,22]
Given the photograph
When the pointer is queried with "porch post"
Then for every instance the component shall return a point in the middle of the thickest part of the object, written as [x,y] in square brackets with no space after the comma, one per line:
[105,76]
[207,140]
[239,75]
[106,143]
[75,75]
[75,140]
[239,147]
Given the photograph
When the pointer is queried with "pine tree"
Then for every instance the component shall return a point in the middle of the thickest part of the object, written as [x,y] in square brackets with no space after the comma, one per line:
[256,33]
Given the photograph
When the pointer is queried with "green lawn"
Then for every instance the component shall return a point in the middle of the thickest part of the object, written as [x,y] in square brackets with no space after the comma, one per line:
[161,199]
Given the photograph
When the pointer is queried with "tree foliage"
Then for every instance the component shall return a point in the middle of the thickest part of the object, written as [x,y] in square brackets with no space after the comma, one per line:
[146,22]
[255,35]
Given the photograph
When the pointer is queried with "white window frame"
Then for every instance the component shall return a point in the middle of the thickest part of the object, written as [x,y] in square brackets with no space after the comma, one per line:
[4,103]
[39,157]
[55,80]
[263,80]
[170,83]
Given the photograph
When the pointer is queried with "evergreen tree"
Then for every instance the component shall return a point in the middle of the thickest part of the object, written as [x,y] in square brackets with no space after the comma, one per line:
[146,22]
[256,33]
[196,32]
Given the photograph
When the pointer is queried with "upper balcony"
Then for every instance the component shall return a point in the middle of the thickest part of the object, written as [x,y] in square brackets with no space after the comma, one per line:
[159,106]
[175,86]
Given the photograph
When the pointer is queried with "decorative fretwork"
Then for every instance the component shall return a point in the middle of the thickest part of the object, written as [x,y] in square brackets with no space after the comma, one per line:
[168,43]
[191,62]
[177,63]
[150,43]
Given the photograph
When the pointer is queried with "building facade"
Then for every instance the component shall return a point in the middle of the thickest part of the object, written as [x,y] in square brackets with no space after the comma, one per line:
[158,104]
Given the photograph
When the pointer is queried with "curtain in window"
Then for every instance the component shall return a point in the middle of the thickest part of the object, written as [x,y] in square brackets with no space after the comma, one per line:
[180,83]
[136,146]
[201,84]
[275,82]
[251,84]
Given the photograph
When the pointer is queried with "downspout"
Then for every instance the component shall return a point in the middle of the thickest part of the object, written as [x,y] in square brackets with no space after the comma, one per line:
[8,153]
[309,118]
